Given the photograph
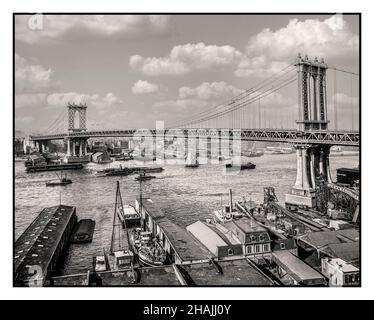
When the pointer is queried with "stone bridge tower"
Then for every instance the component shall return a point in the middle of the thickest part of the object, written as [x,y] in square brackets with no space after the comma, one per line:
[76,147]
[312,160]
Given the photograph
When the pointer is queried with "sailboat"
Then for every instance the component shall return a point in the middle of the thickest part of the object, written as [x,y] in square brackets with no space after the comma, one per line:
[191,161]
[120,247]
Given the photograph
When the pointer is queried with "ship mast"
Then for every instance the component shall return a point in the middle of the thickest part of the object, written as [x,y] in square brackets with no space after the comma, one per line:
[116,223]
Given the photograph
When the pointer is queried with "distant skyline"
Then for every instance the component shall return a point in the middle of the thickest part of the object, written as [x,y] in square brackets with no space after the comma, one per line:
[133,70]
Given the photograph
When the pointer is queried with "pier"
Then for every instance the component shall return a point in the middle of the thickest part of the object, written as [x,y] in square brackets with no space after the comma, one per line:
[39,249]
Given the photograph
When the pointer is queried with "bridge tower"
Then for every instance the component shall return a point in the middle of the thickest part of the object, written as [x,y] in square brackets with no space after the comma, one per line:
[312,160]
[76,147]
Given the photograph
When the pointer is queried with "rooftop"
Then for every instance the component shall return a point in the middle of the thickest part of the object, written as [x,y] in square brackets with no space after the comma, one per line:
[208,237]
[323,238]
[185,245]
[296,268]
[349,251]
[38,242]
[343,265]
[234,273]
[155,276]
[249,225]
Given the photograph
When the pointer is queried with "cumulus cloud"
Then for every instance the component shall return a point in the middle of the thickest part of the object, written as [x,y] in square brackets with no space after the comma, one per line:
[269,51]
[32,78]
[55,26]
[96,100]
[208,91]
[183,59]
[144,87]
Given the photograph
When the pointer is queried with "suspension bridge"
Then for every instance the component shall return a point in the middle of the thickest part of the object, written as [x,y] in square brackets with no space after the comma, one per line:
[290,107]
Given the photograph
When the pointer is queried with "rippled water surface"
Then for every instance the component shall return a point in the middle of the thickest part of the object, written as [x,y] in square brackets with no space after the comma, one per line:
[187,194]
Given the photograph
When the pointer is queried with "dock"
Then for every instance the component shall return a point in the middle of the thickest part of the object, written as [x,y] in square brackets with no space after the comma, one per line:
[180,245]
[39,249]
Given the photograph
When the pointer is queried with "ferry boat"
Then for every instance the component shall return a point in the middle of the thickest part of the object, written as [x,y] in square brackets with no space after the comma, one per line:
[124,171]
[60,182]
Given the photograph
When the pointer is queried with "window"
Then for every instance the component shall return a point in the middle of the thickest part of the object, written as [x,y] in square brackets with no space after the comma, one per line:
[230,252]
[261,238]
[257,248]
[249,249]
[282,246]
[266,247]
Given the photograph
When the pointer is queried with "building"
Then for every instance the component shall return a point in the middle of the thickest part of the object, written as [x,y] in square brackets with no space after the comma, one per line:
[237,272]
[313,246]
[291,271]
[253,237]
[340,273]
[215,241]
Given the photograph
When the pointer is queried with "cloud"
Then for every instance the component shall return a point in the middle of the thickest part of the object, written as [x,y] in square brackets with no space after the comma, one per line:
[208,91]
[144,87]
[342,98]
[270,51]
[95,100]
[183,59]
[32,78]
[55,26]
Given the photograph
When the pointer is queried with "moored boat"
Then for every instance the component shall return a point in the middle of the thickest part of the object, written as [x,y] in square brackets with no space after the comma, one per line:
[59,182]
[83,232]
[227,212]
[149,250]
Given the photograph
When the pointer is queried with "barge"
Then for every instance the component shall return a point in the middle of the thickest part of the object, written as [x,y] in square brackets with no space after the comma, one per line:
[54,167]
[84,231]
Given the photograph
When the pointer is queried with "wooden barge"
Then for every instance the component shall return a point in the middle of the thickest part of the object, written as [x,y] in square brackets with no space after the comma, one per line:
[55,167]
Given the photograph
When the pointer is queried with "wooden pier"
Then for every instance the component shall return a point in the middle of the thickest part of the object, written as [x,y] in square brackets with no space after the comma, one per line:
[39,249]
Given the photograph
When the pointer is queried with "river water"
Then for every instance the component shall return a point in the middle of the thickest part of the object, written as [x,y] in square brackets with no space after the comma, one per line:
[186,194]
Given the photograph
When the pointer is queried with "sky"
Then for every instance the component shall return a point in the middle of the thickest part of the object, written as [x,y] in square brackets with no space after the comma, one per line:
[132,70]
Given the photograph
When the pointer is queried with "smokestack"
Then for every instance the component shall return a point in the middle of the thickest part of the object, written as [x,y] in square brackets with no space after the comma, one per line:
[230,196]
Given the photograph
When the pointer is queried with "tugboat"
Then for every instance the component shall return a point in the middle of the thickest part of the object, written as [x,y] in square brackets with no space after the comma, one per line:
[149,250]
[143,177]
[227,212]
[246,166]
[191,161]
[60,182]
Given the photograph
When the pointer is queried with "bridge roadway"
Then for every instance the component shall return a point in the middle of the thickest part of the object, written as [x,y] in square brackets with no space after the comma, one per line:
[343,138]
